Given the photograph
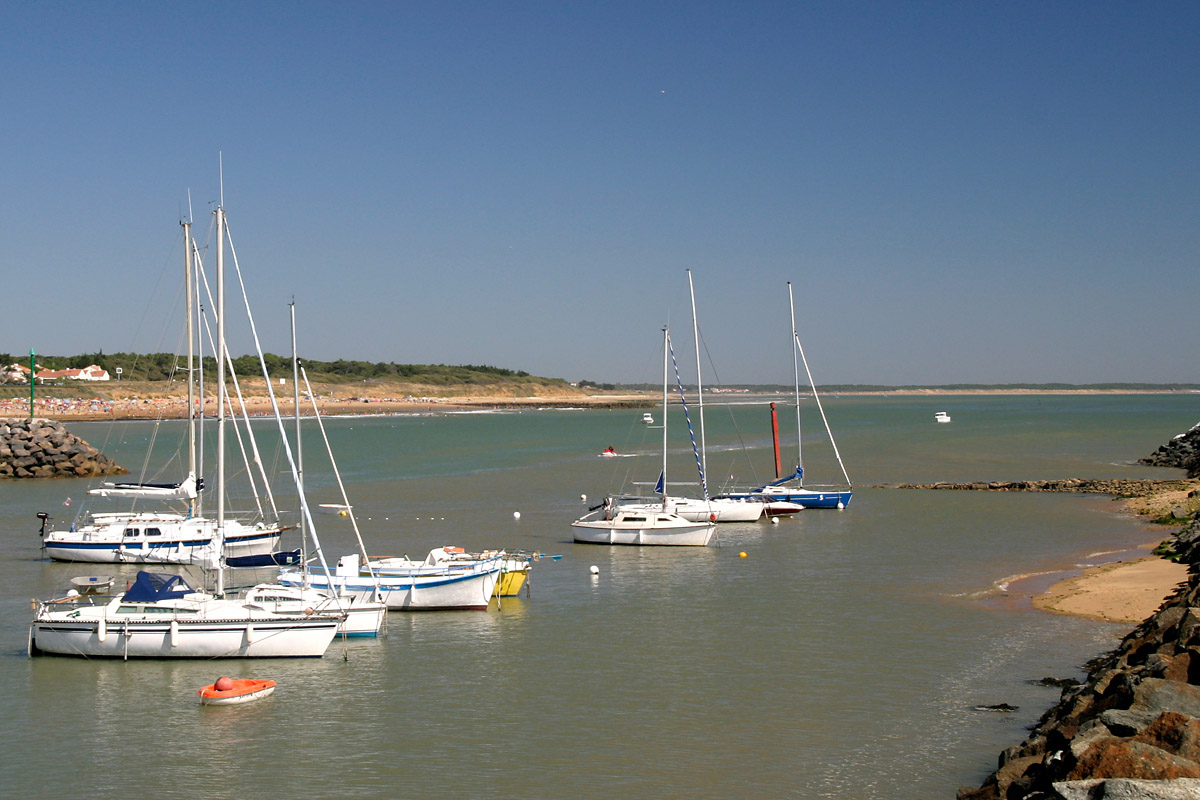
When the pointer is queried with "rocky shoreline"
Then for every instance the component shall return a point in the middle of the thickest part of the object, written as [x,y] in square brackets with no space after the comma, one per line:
[44,448]
[1132,728]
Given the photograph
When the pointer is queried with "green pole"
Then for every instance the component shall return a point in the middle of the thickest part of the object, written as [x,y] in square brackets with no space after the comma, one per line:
[31,371]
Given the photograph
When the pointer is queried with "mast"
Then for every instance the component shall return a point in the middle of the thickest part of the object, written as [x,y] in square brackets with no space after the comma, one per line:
[191,347]
[220,395]
[699,392]
[796,370]
[666,355]
[299,452]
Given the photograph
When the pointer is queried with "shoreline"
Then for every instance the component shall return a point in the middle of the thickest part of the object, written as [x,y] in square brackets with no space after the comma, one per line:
[1128,589]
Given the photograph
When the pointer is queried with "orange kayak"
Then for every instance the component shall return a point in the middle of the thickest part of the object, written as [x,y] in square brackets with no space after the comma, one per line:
[230,691]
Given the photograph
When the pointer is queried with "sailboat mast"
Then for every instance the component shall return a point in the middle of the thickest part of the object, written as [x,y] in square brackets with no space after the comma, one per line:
[796,371]
[191,348]
[699,391]
[299,452]
[666,356]
[220,394]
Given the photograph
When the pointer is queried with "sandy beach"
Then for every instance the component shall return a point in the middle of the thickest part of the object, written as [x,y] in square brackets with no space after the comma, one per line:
[1126,591]
[1123,591]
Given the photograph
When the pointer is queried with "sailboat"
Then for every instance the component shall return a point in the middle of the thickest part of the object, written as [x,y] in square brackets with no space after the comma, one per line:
[363,615]
[790,488]
[161,536]
[705,508]
[160,615]
[443,581]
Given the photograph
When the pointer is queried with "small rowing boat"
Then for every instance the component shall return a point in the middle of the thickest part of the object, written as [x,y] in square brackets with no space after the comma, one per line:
[231,691]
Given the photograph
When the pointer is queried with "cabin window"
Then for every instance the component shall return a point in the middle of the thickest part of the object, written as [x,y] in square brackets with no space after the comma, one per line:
[153,532]
[131,533]
[635,519]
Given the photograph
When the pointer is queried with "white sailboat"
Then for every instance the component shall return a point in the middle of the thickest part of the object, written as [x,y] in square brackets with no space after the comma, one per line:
[161,536]
[704,508]
[160,616]
[623,521]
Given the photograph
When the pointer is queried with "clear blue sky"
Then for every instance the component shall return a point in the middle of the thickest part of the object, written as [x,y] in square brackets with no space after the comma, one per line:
[960,191]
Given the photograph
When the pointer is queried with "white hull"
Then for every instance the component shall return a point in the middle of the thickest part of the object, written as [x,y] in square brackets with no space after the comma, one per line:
[647,528]
[714,510]
[163,637]
[362,617]
[161,617]
[404,585]
[156,539]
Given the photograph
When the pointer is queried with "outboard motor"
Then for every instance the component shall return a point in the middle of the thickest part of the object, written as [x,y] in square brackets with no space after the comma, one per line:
[43,516]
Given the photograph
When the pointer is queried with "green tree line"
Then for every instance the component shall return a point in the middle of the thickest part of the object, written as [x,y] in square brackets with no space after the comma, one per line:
[163,366]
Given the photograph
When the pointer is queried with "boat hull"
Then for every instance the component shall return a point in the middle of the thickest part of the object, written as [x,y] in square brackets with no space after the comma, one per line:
[808,498]
[634,527]
[207,639]
[243,691]
[177,541]
[415,592]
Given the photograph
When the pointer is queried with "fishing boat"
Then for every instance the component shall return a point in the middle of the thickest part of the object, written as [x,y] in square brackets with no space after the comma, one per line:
[438,583]
[161,535]
[791,488]
[234,691]
[514,568]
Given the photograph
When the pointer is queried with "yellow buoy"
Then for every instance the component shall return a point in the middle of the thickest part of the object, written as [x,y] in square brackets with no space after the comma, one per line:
[742,554]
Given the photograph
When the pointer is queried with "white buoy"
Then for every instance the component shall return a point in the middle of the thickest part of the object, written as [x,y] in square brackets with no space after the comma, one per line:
[583,498]
[594,569]
[841,505]
[774,520]
[516,515]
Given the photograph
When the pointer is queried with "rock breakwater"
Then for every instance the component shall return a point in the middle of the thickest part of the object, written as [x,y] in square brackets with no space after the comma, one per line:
[1132,729]
[44,448]
[1182,452]
[1119,487]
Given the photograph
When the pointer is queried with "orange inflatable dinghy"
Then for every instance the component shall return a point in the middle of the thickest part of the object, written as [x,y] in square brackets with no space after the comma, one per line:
[230,691]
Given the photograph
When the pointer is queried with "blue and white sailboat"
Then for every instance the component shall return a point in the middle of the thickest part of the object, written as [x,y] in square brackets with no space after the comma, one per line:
[791,489]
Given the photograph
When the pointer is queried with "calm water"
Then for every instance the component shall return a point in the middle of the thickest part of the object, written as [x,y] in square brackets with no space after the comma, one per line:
[841,658]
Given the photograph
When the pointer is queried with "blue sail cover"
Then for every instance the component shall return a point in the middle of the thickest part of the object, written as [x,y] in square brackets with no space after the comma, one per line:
[150,587]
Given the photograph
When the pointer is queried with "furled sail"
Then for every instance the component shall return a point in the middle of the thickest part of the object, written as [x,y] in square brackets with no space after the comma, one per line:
[158,491]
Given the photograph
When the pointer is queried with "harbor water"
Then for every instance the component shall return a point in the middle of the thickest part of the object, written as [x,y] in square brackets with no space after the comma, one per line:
[843,656]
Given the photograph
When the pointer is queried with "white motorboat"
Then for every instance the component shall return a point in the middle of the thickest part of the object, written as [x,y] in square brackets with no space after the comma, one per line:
[160,616]
[616,524]
[647,418]
[941,416]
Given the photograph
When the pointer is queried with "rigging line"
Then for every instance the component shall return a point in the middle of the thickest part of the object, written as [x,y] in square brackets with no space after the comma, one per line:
[238,390]
[821,408]
[717,379]
[304,507]
[687,416]
[341,486]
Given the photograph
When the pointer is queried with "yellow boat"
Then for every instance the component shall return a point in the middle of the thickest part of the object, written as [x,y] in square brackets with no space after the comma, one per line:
[512,577]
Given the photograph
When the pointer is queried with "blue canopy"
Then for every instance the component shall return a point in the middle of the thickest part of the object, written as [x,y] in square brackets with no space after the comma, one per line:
[150,587]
